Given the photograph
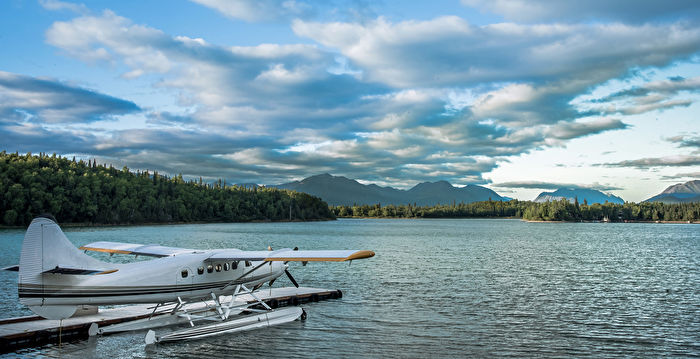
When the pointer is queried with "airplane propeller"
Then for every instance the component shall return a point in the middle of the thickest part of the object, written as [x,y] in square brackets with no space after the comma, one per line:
[291,278]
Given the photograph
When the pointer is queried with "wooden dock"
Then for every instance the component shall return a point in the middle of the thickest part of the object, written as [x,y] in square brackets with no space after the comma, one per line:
[34,331]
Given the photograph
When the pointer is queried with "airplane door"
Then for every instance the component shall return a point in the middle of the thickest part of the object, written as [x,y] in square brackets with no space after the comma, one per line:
[185,276]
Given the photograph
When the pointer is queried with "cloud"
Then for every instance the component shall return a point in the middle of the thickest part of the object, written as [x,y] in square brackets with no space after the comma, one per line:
[686,141]
[212,76]
[272,113]
[31,137]
[651,96]
[558,11]
[260,10]
[56,5]
[554,185]
[287,10]
[515,75]
[569,130]
[669,161]
[51,101]
[448,51]
[677,176]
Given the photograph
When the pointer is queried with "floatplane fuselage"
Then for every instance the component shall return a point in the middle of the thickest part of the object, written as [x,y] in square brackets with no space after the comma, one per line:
[187,275]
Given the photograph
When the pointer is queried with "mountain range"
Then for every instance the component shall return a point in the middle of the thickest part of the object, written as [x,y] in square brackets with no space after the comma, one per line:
[338,190]
[590,196]
[679,193]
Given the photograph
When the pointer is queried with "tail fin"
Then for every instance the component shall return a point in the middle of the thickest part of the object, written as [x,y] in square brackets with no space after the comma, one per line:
[46,248]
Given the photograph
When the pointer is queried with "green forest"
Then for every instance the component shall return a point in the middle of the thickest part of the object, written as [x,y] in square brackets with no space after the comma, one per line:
[561,210]
[92,193]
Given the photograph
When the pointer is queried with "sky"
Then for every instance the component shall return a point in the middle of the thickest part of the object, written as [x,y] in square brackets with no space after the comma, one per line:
[518,96]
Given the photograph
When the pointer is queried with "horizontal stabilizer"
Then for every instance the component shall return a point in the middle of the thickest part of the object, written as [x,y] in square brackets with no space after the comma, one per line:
[79,271]
[14,268]
[287,255]
[151,250]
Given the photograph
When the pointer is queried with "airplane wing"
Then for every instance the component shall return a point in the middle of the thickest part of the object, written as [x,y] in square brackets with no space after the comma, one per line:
[136,249]
[285,255]
[288,254]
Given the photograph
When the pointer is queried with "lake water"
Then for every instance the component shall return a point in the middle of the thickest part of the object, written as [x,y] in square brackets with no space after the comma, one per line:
[443,288]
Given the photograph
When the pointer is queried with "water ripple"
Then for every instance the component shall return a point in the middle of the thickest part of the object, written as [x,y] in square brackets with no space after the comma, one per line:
[447,288]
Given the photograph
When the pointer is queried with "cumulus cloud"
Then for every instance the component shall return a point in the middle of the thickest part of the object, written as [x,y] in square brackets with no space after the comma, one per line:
[554,185]
[50,101]
[520,75]
[449,51]
[650,162]
[271,113]
[557,11]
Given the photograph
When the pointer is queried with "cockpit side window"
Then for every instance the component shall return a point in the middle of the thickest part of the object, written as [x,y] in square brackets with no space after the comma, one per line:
[248,264]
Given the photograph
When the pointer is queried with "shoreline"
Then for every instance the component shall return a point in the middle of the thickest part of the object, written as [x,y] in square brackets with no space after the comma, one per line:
[98,225]
[625,221]
[427,217]
[529,221]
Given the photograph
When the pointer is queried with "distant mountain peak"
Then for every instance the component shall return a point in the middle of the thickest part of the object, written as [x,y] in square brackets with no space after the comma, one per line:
[319,176]
[433,185]
[581,194]
[679,193]
[688,187]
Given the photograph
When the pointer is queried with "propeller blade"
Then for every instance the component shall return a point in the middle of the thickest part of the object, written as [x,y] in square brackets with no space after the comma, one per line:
[291,278]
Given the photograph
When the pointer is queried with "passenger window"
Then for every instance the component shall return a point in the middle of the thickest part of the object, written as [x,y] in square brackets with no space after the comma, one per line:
[210,268]
[248,264]
[218,267]
[225,266]
[200,270]
[184,273]
[234,265]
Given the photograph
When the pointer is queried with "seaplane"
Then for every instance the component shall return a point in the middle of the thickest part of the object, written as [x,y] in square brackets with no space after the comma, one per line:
[56,278]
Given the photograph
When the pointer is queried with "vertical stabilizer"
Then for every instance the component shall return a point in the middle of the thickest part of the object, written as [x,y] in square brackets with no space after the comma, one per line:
[45,247]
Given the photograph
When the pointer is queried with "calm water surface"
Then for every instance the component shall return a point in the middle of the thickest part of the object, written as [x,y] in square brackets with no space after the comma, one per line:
[443,288]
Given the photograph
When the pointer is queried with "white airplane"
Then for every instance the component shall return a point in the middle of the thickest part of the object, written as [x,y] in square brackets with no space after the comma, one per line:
[55,278]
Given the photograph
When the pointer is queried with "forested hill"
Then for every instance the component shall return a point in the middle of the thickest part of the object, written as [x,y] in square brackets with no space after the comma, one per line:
[80,192]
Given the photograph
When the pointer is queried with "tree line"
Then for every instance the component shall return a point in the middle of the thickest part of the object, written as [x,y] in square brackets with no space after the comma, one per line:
[561,210]
[88,192]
